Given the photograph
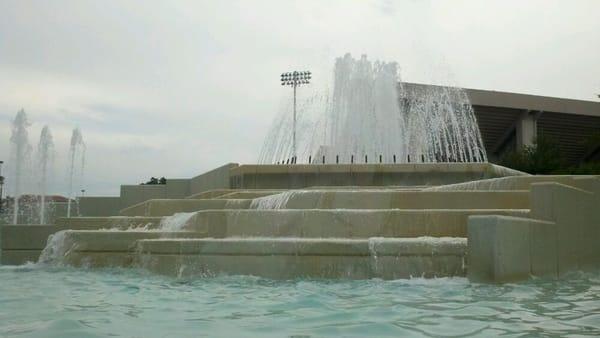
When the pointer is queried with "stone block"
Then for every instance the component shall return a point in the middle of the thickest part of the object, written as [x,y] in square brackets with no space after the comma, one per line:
[498,249]
[337,223]
[26,237]
[543,236]
[19,257]
[575,213]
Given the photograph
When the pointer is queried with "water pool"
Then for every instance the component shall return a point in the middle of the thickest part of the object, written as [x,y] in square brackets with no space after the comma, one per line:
[64,302]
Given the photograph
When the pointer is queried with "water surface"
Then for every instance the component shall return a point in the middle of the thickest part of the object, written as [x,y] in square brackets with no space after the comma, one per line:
[65,302]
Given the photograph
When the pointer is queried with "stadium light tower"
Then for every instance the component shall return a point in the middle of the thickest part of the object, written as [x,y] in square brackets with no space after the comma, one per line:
[295,79]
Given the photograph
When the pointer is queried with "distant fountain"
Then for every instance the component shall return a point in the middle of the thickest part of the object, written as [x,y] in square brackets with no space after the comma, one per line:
[45,164]
[21,157]
[76,164]
[370,117]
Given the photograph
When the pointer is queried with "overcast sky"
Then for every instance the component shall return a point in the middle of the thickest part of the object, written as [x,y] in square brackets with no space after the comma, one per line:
[175,88]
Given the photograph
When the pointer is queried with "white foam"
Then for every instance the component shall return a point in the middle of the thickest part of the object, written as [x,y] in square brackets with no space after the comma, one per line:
[56,249]
[175,222]
[278,201]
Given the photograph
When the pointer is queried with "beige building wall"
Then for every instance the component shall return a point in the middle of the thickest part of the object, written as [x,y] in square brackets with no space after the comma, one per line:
[218,178]
[134,194]
[99,206]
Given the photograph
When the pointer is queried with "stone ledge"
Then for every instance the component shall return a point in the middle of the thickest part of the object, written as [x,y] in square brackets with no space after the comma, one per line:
[289,258]
[306,246]
[508,249]
[19,257]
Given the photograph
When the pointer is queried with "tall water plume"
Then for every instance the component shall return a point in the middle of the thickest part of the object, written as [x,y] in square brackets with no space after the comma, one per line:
[371,116]
[441,124]
[20,158]
[45,166]
[76,164]
[364,117]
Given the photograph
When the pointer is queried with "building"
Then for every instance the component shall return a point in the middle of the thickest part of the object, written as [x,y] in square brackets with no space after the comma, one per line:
[510,120]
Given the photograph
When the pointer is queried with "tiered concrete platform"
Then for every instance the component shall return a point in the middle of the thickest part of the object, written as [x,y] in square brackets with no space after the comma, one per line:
[290,258]
[490,230]
[24,243]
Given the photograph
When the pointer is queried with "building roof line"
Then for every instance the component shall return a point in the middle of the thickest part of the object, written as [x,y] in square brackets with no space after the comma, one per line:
[491,98]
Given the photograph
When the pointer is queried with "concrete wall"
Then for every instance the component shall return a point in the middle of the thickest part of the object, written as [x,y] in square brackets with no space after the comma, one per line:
[508,249]
[24,243]
[217,178]
[561,235]
[174,189]
[291,258]
[337,223]
[134,194]
[99,206]
[307,175]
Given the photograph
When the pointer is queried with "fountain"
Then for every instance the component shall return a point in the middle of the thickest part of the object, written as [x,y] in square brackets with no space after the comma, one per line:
[31,209]
[441,125]
[76,157]
[45,164]
[373,213]
[20,156]
[369,117]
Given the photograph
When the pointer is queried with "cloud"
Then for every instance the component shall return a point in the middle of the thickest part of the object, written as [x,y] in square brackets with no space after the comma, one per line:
[176,88]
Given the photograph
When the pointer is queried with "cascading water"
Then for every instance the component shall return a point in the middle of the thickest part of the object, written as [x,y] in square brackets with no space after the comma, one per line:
[175,222]
[277,201]
[370,116]
[441,125]
[21,158]
[45,165]
[56,249]
[76,164]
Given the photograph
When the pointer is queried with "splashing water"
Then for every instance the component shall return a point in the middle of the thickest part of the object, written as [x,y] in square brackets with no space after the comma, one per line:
[373,241]
[175,222]
[45,164]
[21,158]
[277,201]
[57,247]
[76,155]
[370,116]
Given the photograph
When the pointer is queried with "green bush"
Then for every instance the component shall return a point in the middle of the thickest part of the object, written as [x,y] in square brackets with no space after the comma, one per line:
[544,158]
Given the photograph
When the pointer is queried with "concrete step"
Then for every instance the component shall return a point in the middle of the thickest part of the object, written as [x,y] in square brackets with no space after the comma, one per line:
[341,199]
[23,243]
[337,223]
[34,236]
[112,222]
[108,248]
[217,193]
[167,207]
[390,199]
[514,183]
[247,194]
[289,258]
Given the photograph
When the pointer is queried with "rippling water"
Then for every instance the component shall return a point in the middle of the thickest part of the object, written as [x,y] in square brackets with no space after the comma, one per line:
[62,302]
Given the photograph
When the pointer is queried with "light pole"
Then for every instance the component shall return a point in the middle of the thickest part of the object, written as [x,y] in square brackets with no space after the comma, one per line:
[295,79]
[1,185]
